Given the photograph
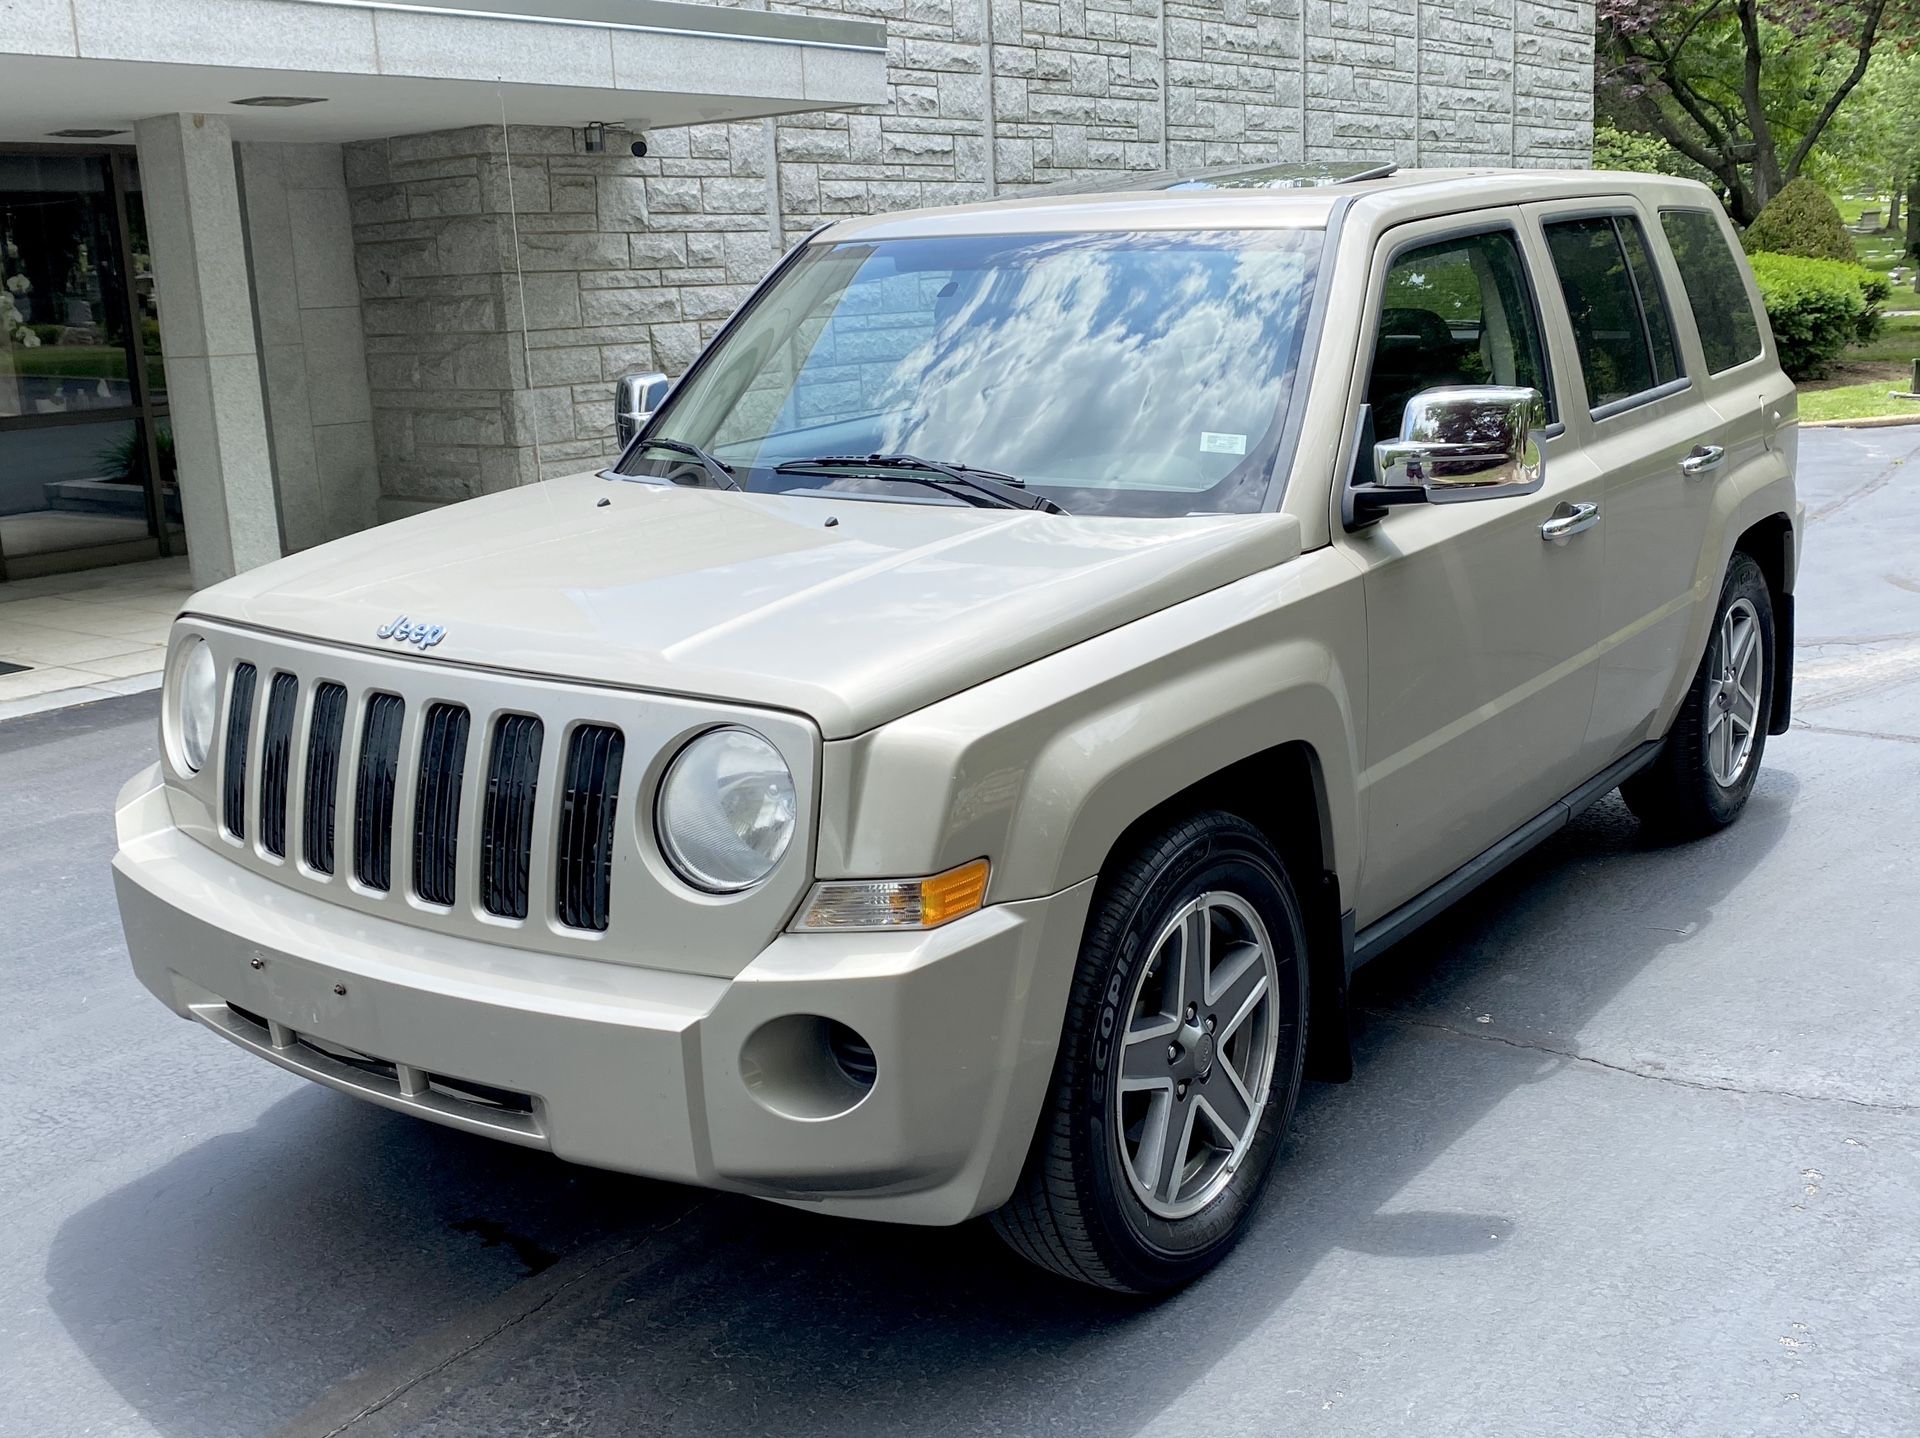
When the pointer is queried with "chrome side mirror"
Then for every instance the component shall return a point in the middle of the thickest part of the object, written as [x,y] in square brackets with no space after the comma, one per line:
[635,398]
[1457,443]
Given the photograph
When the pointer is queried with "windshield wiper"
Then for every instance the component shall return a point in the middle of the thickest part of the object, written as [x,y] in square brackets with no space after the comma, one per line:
[716,470]
[985,488]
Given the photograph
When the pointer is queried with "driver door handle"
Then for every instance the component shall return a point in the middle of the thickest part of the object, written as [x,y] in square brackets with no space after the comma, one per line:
[1568,520]
[1702,459]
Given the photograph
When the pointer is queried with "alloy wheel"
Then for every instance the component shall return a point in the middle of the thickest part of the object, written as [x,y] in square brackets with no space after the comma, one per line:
[1733,691]
[1198,1054]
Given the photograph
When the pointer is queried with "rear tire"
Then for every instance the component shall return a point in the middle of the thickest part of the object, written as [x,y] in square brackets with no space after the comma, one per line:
[1707,766]
[1178,1068]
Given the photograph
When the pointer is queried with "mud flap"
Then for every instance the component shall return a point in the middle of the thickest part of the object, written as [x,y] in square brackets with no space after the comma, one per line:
[1782,714]
[1330,1026]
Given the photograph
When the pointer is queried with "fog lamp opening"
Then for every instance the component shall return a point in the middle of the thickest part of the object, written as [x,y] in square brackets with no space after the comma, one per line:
[805,1066]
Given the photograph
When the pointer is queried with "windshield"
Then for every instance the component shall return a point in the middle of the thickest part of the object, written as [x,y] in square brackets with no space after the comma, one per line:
[1126,374]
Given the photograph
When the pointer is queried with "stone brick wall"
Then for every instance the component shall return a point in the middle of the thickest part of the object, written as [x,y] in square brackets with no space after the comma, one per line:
[632,264]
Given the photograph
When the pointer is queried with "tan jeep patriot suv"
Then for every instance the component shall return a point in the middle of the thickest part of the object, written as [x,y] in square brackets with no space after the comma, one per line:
[954,762]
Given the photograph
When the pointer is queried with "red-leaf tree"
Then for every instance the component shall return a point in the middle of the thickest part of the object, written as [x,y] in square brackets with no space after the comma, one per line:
[1743,88]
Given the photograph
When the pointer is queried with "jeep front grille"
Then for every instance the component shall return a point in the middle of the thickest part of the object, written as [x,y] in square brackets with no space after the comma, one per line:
[506,830]
[391,758]
[274,753]
[233,799]
[328,729]
[373,792]
[585,859]
[485,805]
[436,807]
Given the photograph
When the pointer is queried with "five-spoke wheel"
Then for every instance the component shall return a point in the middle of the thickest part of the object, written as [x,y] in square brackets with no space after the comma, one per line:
[1178,1066]
[1199,1048]
[1737,680]
[1711,756]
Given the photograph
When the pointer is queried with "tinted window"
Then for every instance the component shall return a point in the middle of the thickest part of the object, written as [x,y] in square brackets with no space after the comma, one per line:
[1455,312]
[1715,291]
[1619,318]
[1653,303]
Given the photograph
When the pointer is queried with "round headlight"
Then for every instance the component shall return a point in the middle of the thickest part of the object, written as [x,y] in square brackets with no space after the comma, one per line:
[196,705]
[726,811]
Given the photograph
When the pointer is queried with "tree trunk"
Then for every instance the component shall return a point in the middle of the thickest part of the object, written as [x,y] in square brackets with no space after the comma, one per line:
[1913,214]
[1767,178]
[1893,209]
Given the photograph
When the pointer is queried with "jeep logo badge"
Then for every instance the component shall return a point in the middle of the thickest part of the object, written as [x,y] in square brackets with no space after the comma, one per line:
[406,631]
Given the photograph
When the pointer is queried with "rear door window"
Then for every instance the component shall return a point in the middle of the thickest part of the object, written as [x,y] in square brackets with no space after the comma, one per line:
[1716,292]
[1619,315]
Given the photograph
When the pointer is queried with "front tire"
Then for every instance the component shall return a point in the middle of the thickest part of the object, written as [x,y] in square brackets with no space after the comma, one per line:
[1179,1064]
[1707,767]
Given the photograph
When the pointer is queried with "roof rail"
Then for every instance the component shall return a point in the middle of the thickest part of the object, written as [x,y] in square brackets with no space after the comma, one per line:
[1266,175]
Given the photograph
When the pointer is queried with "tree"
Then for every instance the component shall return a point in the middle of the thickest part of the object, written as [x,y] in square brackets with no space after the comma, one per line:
[1873,145]
[1615,148]
[1743,88]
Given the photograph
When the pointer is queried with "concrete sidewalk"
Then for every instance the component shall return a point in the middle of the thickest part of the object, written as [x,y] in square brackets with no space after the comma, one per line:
[82,637]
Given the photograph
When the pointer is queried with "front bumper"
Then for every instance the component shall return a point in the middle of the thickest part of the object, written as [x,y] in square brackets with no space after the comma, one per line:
[620,1066]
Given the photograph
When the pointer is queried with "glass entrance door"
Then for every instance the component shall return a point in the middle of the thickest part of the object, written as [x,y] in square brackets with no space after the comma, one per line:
[85,459]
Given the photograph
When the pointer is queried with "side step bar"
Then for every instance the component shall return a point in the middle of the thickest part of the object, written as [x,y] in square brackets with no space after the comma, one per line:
[1369,943]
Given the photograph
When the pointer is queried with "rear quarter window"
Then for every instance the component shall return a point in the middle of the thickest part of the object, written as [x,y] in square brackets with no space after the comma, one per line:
[1716,292]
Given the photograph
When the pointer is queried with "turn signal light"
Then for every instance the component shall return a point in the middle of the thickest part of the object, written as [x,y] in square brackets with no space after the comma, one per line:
[896,903]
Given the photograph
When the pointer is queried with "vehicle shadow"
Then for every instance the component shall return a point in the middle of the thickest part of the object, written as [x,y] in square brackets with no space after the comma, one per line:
[242,1283]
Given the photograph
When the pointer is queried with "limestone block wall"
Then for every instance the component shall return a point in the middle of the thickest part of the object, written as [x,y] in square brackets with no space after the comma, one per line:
[630,264]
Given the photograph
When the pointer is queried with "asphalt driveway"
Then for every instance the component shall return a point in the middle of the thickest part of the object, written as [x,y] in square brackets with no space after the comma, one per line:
[1634,1148]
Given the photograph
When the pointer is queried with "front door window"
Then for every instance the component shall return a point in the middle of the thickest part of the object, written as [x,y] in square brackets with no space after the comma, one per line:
[1453,313]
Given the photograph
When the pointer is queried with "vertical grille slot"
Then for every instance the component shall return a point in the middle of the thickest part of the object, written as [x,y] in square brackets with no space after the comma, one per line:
[373,791]
[506,822]
[275,760]
[234,770]
[324,733]
[584,861]
[436,808]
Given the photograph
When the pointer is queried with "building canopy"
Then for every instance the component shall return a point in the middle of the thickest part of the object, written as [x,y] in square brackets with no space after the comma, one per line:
[360,69]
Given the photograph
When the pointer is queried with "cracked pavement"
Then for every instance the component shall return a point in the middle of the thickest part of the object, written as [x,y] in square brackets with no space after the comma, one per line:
[1632,1148]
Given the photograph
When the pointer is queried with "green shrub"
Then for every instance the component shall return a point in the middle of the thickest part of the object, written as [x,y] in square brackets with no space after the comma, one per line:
[1817,308]
[1801,220]
[1875,288]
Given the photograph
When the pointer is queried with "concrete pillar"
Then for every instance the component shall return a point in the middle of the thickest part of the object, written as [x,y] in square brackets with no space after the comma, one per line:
[207,336]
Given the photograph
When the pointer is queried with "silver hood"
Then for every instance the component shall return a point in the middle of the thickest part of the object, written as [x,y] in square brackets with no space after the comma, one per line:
[749,597]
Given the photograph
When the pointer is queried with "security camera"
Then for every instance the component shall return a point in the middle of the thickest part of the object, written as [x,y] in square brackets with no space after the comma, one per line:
[639,148]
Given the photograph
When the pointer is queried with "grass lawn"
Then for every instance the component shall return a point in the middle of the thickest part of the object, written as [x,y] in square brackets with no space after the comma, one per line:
[1884,250]
[1898,343]
[1870,400]
[1861,383]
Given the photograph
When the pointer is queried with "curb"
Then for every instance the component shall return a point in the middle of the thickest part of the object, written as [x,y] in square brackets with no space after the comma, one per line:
[78,695]
[1878,421]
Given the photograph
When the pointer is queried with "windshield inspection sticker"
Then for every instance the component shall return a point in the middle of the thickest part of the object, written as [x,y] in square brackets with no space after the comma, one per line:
[1211,443]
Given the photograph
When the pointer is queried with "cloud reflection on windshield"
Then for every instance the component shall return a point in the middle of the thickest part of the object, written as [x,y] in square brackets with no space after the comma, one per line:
[1141,374]
[1087,367]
